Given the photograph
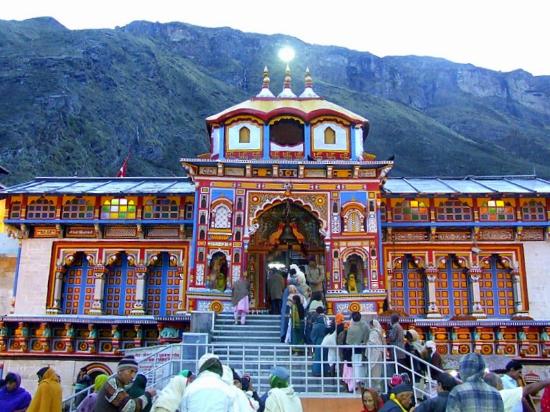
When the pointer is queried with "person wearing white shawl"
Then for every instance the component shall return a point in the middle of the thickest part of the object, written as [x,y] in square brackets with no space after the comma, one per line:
[375,353]
[169,399]
[281,397]
[241,402]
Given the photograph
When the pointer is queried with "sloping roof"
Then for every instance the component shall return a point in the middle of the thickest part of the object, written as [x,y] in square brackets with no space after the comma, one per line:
[467,185]
[103,186]
[269,107]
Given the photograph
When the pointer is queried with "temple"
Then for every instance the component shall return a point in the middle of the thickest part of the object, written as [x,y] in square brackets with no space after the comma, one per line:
[107,264]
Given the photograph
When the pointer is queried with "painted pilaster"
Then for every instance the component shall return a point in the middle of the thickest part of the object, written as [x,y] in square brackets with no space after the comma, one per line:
[518,295]
[139,304]
[307,141]
[99,287]
[431,277]
[221,137]
[475,293]
[266,142]
[181,292]
[57,289]
[352,143]
[389,277]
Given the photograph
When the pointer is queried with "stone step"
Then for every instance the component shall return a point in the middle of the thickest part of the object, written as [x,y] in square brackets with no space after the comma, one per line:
[244,333]
[254,316]
[266,322]
[239,339]
[245,329]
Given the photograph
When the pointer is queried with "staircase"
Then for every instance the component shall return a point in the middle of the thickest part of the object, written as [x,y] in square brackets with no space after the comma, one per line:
[256,348]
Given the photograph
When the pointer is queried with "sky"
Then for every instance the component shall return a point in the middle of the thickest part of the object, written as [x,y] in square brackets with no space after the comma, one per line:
[500,35]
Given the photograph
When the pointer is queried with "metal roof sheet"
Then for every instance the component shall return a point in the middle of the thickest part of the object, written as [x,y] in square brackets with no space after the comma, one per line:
[98,185]
[467,185]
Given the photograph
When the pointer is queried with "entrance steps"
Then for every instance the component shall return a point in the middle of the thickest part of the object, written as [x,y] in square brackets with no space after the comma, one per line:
[258,329]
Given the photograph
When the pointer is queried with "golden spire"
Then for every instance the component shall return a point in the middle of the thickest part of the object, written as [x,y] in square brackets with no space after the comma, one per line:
[308,79]
[265,92]
[288,78]
[266,81]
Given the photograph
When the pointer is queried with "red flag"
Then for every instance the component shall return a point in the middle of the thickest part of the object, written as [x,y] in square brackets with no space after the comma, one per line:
[123,168]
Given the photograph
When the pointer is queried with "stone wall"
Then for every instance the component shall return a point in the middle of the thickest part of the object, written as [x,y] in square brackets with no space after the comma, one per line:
[66,369]
[34,269]
[7,275]
[537,265]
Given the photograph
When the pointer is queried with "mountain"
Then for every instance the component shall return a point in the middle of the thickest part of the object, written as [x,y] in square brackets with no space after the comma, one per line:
[76,102]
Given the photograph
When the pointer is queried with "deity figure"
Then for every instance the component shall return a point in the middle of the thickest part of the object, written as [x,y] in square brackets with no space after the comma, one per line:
[218,273]
[352,284]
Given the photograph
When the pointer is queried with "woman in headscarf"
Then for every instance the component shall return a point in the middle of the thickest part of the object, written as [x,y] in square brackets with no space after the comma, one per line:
[169,399]
[240,299]
[48,395]
[13,398]
[137,389]
[375,353]
[297,315]
[415,347]
[88,404]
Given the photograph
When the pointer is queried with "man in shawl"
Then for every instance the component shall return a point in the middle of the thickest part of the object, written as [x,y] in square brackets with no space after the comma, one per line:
[113,396]
[169,399]
[13,397]
[48,395]
[314,276]
[240,299]
[275,288]
[281,397]
[474,394]
[208,393]
[401,399]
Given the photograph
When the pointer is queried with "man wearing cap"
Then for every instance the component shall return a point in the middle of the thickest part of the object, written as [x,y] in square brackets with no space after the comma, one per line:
[113,397]
[281,397]
[445,384]
[474,394]
[401,399]
[208,393]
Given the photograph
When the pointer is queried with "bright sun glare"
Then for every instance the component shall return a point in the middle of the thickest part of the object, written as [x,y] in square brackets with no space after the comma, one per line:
[286,54]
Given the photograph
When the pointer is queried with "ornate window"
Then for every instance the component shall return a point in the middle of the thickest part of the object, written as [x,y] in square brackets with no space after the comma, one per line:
[41,209]
[162,287]
[496,288]
[496,210]
[533,211]
[77,209]
[15,210]
[221,217]
[330,136]
[408,291]
[244,135]
[454,210]
[452,294]
[118,208]
[354,221]
[383,212]
[78,287]
[410,210]
[120,287]
[188,211]
[160,209]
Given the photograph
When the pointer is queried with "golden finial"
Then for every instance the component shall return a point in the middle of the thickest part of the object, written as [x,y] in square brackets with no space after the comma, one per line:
[308,80]
[265,84]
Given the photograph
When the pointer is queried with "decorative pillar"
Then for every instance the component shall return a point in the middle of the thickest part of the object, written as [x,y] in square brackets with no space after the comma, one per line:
[518,296]
[544,340]
[389,277]
[476,309]
[45,335]
[99,286]
[92,338]
[22,337]
[431,277]
[57,289]
[139,305]
[181,292]
[115,335]
[4,336]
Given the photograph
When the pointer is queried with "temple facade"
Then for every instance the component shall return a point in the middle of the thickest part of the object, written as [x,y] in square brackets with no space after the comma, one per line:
[107,264]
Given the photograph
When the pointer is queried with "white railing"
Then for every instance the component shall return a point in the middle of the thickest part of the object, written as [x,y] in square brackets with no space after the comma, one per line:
[71,403]
[258,360]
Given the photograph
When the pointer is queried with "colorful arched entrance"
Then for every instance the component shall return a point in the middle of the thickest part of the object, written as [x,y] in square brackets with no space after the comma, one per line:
[287,233]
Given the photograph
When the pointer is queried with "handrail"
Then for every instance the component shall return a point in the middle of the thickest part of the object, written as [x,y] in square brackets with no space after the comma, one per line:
[71,403]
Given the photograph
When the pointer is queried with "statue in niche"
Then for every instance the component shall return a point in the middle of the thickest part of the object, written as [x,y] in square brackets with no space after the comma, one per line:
[352,283]
[218,272]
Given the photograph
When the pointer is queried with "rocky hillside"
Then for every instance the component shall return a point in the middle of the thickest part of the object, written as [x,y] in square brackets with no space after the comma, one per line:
[75,102]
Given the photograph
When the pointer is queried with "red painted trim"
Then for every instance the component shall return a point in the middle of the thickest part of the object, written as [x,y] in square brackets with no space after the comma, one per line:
[267,116]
